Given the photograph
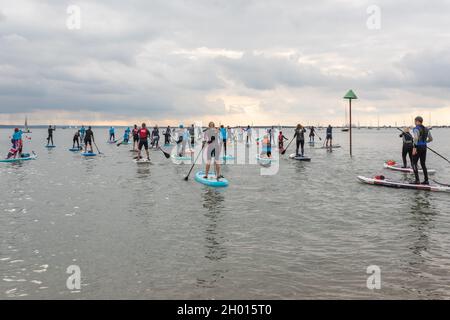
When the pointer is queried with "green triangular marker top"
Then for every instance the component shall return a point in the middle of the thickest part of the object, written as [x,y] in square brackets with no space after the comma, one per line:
[350,95]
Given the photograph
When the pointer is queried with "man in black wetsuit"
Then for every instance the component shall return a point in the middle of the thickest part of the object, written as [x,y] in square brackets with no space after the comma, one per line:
[407,147]
[422,136]
[329,136]
[192,134]
[50,135]
[88,139]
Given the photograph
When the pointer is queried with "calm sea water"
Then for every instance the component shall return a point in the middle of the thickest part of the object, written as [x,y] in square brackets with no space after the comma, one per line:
[140,231]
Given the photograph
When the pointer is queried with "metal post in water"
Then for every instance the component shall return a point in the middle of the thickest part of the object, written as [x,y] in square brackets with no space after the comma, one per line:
[350,96]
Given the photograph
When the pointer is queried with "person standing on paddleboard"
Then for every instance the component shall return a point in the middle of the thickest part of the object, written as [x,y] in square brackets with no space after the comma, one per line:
[167,136]
[17,140]
[422,136]
[224,137]
[76,139]
[155,137]
[281,139]
[126,135]
[312,134]
[88,139]
[50,135]
[82,132]
[143,134]
[211,138]
[112,134]
[249,134]
[329,137]
[300,141]
[192,134]
[135,133]
[407,149]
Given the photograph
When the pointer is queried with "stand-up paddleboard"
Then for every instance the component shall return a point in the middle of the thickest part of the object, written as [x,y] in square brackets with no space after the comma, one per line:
[265,159]
[88,154]
[392,165]
[299,158]
[50,146]
[335,146]
[125,143]
[228,157]
[168,145]
[403,185]
[183,158]
[75,149]
[24,157]
[142,160]
[112,141]
[211,180]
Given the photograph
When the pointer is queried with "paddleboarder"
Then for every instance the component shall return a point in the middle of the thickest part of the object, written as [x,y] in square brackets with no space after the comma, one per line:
[211,139]
[312,134]
[249,134]
[192,134]
[167,136]
[422,136]
[88,139]
[126,135]
[135,133]
[144,134]
[82,132]
[50,135]
[407,149]
[112,134]
[329,137]
[224,136]
[281,139]
[76,139]
[155,137]
[300,141]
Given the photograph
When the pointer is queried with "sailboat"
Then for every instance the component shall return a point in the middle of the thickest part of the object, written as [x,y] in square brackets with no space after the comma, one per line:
[26,129]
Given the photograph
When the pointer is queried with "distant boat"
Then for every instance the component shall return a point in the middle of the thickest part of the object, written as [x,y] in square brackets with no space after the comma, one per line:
[26,129]
[345,129]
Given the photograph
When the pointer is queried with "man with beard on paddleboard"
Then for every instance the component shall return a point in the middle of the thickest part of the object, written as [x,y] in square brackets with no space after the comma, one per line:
[422,136]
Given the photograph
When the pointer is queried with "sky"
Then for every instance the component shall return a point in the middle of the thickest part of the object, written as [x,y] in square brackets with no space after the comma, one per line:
[234,62]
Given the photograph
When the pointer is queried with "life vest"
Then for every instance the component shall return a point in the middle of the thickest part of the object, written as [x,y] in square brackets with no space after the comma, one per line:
[423,135]
[143,132]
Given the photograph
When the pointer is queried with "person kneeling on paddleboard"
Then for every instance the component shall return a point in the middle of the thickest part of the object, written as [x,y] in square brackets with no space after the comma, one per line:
[300,141]
[144,134]
[211,138]
[422,136]
[407,146]
[88,139]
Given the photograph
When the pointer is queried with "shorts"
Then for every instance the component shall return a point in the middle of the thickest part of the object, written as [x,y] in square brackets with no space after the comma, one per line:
[329,137]
[212,151]
[135,138]
[143,143]
[88,142]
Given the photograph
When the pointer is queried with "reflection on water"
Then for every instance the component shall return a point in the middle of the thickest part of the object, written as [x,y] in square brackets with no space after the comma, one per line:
[215,237]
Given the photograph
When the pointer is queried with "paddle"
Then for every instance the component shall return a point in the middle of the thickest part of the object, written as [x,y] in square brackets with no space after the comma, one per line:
[284,151]
[119,143]
[165,153]
[441,184]
[192,167]
[438,154]
[96,147]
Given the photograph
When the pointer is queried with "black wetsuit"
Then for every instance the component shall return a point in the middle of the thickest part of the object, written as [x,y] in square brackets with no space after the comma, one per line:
[312,134]
[50,135]
[76,139]
[300,134]
[423,135]
[192,134]
[407,149]
[167,136]
[155,137]
[88,137]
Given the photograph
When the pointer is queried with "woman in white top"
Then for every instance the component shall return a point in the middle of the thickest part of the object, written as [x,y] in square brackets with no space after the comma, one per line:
[211,140]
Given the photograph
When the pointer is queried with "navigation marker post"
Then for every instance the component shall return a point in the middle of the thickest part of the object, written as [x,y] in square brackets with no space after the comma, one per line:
[350,96]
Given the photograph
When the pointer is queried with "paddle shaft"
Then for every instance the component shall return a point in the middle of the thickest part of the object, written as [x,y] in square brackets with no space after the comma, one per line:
[284,151]
[192,167]
[97,147]
[430,149]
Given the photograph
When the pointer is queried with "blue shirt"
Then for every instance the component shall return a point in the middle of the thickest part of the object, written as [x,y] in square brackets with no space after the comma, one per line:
[111,130]
[82,130]
[223,133]
[17,135]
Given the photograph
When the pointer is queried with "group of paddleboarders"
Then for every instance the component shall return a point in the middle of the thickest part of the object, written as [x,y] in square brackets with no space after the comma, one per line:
[83,136]
[415,146]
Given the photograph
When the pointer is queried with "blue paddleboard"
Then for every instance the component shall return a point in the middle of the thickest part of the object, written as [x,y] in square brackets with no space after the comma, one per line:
[211,180]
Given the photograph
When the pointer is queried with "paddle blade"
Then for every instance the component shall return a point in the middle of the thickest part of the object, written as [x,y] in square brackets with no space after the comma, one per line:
[186,178]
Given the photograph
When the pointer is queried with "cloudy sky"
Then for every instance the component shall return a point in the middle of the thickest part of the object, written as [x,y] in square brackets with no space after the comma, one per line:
[232,61]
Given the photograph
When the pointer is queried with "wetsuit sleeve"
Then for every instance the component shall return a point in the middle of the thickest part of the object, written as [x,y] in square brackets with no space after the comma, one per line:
[416,136]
